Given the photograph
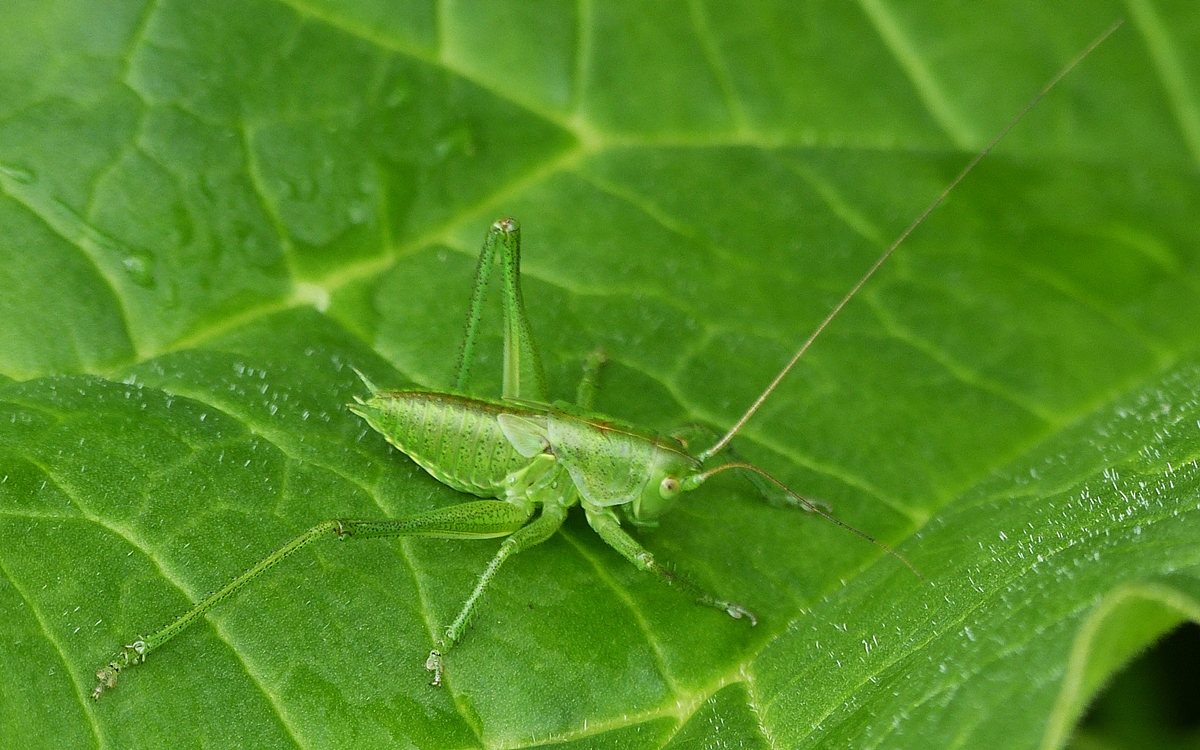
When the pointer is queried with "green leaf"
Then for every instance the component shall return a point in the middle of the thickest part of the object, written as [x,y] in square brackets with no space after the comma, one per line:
[210,212]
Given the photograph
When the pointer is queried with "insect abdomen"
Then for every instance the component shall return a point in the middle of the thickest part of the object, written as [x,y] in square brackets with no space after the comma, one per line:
[456,439]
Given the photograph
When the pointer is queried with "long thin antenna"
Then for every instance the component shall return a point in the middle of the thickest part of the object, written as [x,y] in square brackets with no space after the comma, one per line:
[903,236]
[809,505]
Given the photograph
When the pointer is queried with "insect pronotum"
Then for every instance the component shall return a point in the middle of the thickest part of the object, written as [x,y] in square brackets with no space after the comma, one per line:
[529,456]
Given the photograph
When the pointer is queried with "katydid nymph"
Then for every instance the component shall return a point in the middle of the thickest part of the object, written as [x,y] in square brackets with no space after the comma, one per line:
[529,460]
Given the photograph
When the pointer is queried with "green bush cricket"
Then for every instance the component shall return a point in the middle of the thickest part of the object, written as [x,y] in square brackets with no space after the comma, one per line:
[530,458]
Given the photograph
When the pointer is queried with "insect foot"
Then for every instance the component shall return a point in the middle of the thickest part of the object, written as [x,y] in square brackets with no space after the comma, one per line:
[736,611]
[435,664]
[134,653]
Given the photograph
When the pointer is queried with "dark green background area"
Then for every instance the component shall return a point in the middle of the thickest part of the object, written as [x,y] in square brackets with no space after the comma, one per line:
[211,212]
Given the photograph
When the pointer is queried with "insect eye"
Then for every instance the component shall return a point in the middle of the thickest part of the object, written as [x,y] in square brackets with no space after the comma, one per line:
[669,486]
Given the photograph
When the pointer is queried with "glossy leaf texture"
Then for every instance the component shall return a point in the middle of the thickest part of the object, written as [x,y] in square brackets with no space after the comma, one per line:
[210,212]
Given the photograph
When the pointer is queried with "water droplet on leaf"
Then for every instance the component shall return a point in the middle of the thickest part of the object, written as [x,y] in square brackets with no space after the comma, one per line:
[140,267]
[21,175]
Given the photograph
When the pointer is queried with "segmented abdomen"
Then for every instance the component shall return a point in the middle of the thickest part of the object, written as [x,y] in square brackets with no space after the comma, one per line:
[456,439]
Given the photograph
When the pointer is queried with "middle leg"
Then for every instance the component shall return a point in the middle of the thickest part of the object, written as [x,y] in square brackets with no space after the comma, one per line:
[552,517]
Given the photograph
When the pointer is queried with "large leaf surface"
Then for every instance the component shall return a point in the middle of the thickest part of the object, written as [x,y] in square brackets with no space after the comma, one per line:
[211,211]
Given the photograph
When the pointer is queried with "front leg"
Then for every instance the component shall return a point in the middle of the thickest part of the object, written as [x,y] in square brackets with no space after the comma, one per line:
[605,523]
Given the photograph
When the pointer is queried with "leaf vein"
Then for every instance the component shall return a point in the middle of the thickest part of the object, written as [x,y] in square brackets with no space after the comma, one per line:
[37,615]
[304,10]
[638,616]
[936,102]
[718,66]
[1171,75]
[85,238]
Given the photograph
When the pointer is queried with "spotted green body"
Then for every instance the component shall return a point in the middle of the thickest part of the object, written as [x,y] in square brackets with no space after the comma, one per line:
[456,439]
[488,448]
[529,457]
